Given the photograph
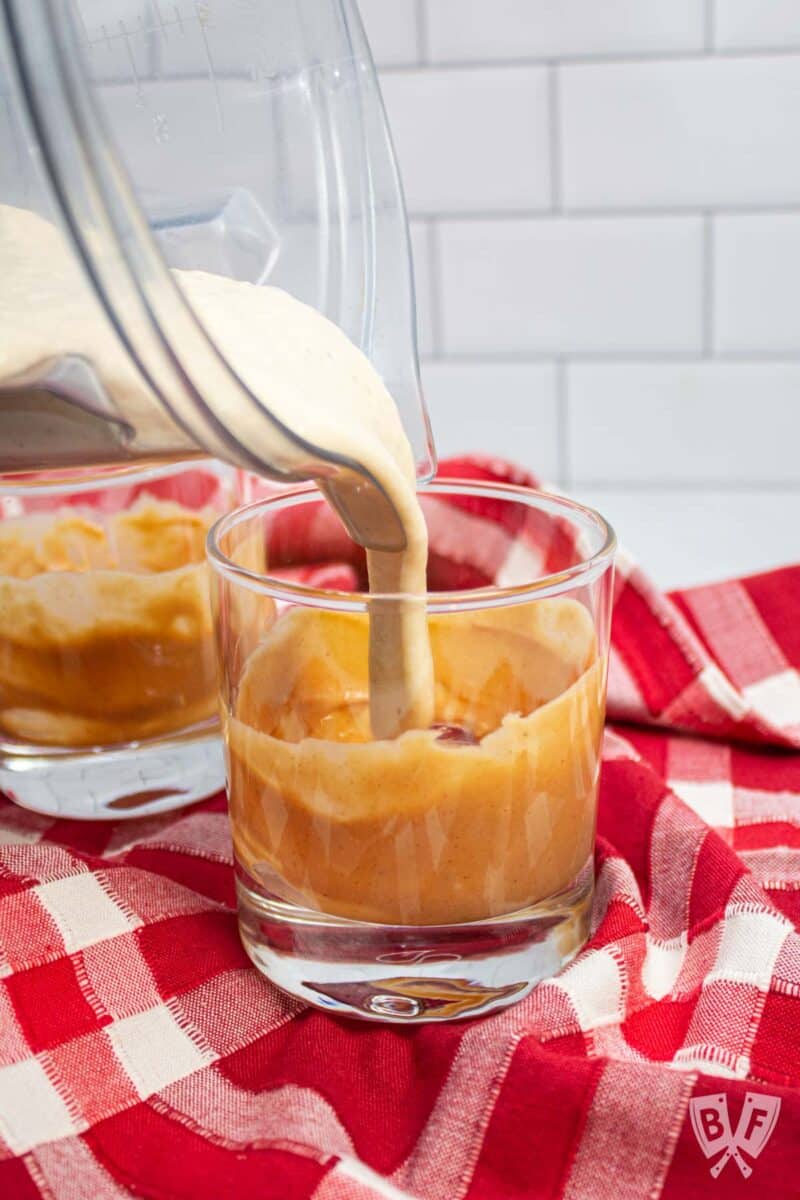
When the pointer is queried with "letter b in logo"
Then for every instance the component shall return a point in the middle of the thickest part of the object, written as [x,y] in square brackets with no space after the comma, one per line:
[712,1125]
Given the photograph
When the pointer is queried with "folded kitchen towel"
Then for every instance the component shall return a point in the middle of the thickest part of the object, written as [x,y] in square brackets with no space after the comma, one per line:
[140,1054]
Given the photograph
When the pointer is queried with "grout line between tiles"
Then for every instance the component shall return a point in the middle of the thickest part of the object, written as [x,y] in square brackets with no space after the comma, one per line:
[436,290]
[787,358]
[707,285]
[609,212]
[563,448]
[609,59]
[422,32]
[554,136]
[708,26]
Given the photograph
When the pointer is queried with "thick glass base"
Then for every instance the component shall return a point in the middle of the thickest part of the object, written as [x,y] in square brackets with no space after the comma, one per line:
[117,783]
[411,974]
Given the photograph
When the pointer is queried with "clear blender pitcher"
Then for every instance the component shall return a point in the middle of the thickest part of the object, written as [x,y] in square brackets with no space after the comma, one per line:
[241,137]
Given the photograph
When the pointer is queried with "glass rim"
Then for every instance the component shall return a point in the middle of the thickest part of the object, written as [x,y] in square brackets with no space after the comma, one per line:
[74,480]
[551,584]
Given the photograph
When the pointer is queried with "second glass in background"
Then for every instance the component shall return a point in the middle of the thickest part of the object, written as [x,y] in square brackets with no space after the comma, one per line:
[108,682]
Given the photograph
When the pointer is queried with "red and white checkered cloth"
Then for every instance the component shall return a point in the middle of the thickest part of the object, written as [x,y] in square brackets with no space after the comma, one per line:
[141,1055]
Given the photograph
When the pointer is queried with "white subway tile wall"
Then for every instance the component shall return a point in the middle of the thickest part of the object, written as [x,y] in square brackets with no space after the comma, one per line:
[756,282]
[699,132]
[421,251]
[684,422]
[503,29]
[393,29]
[756,24]
[605,203]
[488,125]
[564,286]
[521,397]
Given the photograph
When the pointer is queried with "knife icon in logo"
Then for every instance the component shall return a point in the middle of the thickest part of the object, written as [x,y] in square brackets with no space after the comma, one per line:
[712,1128]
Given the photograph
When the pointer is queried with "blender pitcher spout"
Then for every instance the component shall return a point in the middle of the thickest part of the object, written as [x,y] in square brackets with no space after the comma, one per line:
[248,141]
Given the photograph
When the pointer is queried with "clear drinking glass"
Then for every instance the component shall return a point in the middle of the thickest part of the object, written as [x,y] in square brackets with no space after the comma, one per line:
[440,874]
[108,686]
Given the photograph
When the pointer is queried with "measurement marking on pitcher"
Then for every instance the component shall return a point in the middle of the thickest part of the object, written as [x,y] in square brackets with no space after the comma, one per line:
[162,25]
[159,24]
[202,12]
[161,128]
[84,30]
[140,97]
